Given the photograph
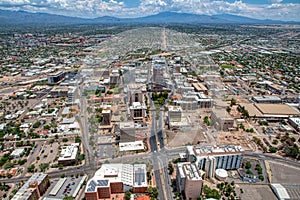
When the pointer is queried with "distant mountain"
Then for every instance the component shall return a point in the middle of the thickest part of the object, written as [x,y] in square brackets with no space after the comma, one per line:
[22,17]
[247,20]
[173,17]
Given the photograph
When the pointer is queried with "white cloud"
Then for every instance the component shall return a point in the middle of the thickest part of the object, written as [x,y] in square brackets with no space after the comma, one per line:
[95,8]
[275,1]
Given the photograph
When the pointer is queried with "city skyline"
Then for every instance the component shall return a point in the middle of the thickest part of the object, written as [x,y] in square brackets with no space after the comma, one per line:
[285,10]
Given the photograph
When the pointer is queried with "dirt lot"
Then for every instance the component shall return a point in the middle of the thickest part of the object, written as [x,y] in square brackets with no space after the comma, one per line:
[236,138]
[179,138]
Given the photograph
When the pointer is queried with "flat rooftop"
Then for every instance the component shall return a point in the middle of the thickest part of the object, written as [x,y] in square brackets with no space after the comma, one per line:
[276,109]
[131,146]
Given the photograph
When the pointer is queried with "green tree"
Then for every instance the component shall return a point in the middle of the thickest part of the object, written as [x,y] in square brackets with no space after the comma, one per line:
[273,149]
[43,166]
[171,169]
[31,169]
[127,195]
[233,102]
[248,165]
[77,139]
[65,140]
[81,157]
[152,192]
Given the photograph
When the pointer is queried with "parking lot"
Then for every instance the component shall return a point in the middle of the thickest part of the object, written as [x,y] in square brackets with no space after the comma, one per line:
[284,174]
[257,192]
[105,151]
[69,187]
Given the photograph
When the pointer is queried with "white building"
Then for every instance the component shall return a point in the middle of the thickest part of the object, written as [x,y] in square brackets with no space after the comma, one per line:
[17,153]
[174,113]
[210,158]
[68,155]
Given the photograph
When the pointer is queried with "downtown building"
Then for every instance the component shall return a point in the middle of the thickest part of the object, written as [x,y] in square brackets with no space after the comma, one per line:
[34,188]
[189,180]
[210,158]
[115,179]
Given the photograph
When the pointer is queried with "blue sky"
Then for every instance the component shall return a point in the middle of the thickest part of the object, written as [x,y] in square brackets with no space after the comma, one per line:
[286,10]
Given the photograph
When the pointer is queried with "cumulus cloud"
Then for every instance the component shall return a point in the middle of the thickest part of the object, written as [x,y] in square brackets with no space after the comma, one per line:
[94,8]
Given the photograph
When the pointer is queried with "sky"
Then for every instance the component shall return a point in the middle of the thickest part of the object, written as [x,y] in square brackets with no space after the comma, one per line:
[286,10]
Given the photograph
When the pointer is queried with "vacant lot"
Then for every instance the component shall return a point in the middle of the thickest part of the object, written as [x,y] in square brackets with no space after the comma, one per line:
[284,174]
[255,192]
[179,138]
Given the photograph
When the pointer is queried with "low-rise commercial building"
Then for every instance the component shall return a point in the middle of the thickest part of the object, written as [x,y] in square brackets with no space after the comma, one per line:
[68,155]
[270,111]
[267,99]
[17,153]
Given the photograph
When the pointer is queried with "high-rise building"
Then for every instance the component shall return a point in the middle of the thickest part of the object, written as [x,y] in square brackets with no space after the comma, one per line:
[106,114]
[174,113]
[158,74]
[189,180]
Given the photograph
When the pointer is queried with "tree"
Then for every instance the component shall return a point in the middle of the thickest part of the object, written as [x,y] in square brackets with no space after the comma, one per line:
[273,149]
[292,151]
[43,166]
[228,109]
[275,142]
[65,140]
[171,169]
[77,139]
[152,192]
[36,124]
[81,157]
[31,169]
[211,193]
[261,177]
[128,195]
[248,165]
[233,102]
[206,121]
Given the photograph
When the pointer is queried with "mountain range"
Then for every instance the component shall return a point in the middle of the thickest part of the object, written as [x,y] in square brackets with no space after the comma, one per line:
[22,17]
